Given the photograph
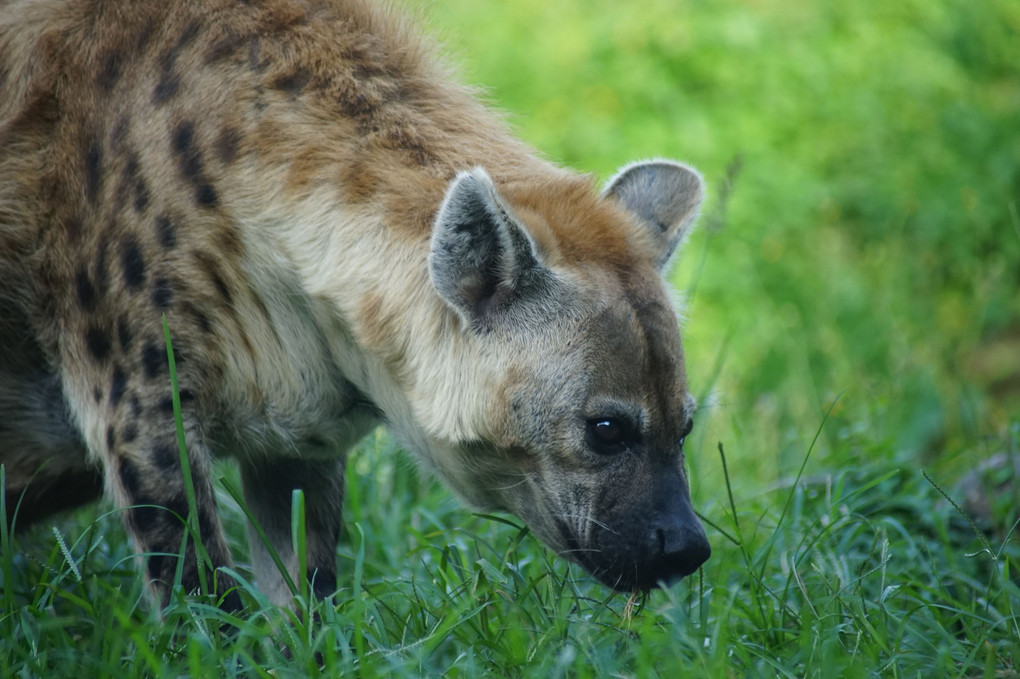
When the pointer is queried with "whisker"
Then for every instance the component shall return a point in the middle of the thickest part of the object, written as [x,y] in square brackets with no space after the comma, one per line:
[588,520]
[524,479]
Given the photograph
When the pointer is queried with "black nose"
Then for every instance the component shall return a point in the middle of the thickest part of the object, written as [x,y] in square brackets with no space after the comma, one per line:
[675,550]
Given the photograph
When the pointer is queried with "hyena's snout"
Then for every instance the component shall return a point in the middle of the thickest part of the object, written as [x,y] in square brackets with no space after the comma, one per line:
[649,544]
[677,546]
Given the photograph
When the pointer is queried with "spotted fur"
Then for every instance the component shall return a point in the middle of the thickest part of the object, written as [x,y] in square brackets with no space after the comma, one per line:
[339,236]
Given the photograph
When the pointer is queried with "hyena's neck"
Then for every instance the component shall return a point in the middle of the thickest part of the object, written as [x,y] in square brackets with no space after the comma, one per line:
[388,331]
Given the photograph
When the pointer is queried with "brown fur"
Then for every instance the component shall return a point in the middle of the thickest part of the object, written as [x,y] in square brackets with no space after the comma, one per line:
[277,179]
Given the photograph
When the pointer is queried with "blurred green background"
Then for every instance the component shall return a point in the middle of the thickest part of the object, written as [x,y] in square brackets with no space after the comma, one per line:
[861,240]
[858,255]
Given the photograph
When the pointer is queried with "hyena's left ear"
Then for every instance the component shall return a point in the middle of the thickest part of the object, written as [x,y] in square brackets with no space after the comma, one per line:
[664,195]
[483,261]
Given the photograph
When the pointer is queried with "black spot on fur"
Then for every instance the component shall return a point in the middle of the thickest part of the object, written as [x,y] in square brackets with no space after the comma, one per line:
[165,232]
[118,385]
[183,137]
[169,82]
[154,360]
[119,133]
[124,335]
[228,242]
[144,36]
[93,169]
[357,105]
[144,516]
[152,516]
[199,316]
[98,343]
[130,433]
[406,139]
[86,292]
[166,88]
[136,407]
[225,47]
[162,293]
[72,226]
[186,37]
[161,566]
[166,404]
[111,437]
[211,268]
[292,83]
[166,457]
[190,160]
[178,504]
[191,165]
[130,479]
[132,263]
[97,394]
[141,195]
[133,185]
[109,70]
[205,195]
[227,145]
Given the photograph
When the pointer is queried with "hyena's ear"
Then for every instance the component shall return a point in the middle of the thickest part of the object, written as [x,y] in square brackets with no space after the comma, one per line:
[664,195]
[483,260]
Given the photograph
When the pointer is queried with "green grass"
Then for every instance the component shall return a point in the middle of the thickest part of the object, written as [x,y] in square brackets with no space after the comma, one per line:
[852,573]
[853,335]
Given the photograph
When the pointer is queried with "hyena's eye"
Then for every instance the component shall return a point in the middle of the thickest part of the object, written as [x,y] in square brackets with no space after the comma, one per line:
[611,435]
[687,432]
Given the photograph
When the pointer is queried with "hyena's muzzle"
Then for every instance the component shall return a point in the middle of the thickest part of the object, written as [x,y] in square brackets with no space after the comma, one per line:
[638,543]
[630,523]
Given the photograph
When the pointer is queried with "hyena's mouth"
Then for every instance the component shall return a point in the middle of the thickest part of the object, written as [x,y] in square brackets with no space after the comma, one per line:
[663,556]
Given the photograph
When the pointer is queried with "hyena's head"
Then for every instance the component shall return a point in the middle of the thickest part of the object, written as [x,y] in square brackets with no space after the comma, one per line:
[587,405]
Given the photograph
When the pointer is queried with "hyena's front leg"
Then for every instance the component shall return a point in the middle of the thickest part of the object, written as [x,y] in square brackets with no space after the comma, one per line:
[268,490]
[147,478]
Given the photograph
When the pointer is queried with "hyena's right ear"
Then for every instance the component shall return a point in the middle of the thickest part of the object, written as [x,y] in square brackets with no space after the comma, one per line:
[483,259]
[664,195]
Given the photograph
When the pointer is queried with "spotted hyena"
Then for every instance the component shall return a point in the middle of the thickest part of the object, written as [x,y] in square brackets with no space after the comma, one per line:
[338,236]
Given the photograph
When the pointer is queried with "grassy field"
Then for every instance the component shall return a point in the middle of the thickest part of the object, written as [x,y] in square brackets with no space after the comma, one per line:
[852,332]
